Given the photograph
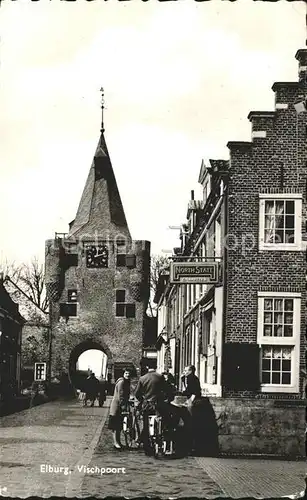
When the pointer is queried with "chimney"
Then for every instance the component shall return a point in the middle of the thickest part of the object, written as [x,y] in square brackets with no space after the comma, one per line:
[192,194]
[301,56]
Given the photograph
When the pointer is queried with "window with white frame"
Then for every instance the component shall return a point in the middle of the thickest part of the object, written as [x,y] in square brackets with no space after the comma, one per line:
[279,340]
[280,217]
[276,365]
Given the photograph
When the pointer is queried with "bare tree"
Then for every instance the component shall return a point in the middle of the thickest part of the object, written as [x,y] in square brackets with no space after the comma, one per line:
[159,264]
[10,269]
[26,285]
[32,279]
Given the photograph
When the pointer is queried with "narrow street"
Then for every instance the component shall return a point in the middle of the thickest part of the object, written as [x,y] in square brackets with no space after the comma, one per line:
[35,443]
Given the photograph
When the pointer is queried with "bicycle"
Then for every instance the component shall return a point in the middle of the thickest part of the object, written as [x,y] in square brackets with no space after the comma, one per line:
[160,440]
[130,425]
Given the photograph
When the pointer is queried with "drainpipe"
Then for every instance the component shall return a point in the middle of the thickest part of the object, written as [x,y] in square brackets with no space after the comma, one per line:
[225,263]
[181,364]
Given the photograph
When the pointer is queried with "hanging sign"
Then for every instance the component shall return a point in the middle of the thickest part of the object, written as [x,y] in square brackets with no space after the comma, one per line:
[194,272]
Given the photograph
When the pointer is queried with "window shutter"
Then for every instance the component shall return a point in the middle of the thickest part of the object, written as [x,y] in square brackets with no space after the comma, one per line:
[130,261]
[120,260]
[120,295]
[240,369]
[72,260]
[120,310]
[67,310]
[130,310]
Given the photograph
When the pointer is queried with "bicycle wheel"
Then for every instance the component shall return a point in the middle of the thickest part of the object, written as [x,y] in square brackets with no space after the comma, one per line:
[158,445]
[128,440]
[126,430]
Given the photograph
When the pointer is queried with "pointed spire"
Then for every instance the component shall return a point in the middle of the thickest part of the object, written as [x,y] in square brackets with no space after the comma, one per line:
[102,108]
[100,208]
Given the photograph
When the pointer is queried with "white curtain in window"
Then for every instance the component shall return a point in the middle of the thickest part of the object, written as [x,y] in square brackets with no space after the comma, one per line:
[273,219]
[279,217]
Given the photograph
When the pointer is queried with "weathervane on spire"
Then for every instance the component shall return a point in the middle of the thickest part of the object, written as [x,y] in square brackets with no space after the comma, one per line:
[102,108]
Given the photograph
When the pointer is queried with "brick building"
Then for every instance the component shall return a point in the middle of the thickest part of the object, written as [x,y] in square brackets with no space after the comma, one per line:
[97,278]
[246,332]
[11,323]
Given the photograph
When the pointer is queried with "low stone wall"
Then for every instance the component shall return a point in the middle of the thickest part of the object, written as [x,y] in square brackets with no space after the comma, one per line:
[266,427]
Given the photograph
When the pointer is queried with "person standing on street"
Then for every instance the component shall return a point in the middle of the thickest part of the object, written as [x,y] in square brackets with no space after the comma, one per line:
[191,384]
[192,390]
[92,389]
[102,391]
[119,403]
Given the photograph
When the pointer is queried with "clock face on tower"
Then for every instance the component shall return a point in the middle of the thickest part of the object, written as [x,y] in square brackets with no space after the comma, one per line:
[97,256]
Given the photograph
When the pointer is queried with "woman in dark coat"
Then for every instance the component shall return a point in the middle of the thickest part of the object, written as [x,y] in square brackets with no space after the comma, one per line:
[118,404]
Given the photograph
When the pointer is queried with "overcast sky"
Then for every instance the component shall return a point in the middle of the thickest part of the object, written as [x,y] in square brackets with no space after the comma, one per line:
[180,79]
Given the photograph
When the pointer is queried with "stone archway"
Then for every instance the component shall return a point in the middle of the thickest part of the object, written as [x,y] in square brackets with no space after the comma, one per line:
[77,378]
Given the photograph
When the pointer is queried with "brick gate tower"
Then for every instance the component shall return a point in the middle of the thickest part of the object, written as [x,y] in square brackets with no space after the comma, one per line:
[97,278]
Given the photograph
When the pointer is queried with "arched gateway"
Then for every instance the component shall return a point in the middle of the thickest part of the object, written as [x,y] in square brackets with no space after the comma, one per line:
[79,372]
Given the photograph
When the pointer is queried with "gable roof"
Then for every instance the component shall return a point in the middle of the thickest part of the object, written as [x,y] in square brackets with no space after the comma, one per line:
[8,306]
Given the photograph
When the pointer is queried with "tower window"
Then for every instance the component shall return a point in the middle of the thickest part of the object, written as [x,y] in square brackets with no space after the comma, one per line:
[120,253]
[120,260]
[123,309]
[120,295]
[72,295]
[130,310]
[71,260]
[130,261]
[68,309]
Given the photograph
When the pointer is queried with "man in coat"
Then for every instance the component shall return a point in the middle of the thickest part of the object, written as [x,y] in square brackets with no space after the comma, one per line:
[92,389]
[151,392]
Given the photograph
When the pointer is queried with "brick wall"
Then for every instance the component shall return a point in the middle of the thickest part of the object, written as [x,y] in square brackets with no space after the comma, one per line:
[260,427]
[255,168]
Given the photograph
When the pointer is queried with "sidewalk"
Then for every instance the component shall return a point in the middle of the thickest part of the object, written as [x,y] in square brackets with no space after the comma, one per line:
[55,434]
[255,478]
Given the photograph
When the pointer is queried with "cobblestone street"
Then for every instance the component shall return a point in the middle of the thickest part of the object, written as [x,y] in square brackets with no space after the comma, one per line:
[55,434]
[64,434]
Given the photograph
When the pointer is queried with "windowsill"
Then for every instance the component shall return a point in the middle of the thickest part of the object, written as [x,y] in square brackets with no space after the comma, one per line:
[276,341]
[63,318]
[279,388]
[278,247]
